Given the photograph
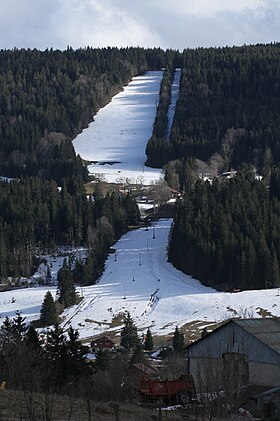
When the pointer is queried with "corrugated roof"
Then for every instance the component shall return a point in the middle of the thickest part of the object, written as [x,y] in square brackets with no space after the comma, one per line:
[267,330]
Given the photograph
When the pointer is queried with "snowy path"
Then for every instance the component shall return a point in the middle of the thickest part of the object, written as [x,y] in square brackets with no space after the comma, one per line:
[155,293]
[120,132]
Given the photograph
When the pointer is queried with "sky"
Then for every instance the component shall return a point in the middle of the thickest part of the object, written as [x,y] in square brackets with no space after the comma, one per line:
[175,24]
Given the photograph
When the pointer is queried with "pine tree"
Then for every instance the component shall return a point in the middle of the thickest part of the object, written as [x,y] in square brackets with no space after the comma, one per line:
[102,360]
[129,337]
[76,354]
[65,286]
[149,342]
[178,340]
[48,276]
[56,358]
[138,355]
[14,329]
[32,339]
[48,314]
[56,346]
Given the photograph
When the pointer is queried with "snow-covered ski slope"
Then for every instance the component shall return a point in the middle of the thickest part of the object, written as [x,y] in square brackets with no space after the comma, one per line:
[118,136]
[155,293]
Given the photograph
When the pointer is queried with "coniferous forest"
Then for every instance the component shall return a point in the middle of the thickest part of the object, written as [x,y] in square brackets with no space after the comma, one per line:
[227,234]
[227,114]
[46,98]
[229,104]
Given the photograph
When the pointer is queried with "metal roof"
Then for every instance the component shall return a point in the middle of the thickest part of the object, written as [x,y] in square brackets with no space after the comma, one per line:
[267,330]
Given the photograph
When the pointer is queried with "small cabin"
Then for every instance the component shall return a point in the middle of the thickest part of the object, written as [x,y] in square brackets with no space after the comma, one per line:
[102,343]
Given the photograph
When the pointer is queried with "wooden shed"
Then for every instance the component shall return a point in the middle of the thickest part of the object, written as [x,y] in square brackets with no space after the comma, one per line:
[239,353]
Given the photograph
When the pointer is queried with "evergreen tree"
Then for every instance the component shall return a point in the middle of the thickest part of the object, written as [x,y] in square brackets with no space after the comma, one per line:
[32,339]
[56,343]
[65,286]
[178,340]
[56,357]
[48,314]
[148,342]
[48,276]
[138,355]
[102,360]
[15,329]
[129,336]
[76,354]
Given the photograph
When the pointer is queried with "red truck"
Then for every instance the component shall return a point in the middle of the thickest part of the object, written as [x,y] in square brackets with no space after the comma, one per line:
[180,391]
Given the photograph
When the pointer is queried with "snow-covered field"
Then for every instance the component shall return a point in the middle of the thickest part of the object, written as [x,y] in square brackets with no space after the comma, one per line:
[155,293]
[118,135]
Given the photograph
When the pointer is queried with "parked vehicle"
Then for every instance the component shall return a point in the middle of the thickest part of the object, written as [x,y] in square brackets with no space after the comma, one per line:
[180,391]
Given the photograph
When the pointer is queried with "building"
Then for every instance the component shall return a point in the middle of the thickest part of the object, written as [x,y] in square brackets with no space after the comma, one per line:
[102,343]
[237,354]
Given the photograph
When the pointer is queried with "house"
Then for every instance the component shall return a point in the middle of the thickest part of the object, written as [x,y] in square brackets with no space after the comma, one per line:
[102,343]
[239,353]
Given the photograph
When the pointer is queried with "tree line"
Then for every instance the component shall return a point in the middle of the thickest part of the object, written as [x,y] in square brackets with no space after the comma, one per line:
[55,364]
[158,148]
[47,97]
[37,213]
[228,104]
[226,233]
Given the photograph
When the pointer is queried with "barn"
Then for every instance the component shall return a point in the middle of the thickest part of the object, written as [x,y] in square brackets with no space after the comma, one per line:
[102,343]
[238,354]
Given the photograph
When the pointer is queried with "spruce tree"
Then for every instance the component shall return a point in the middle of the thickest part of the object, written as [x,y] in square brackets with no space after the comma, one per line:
[178,340]
[149,342]
[32,339]
[102,360]
[138,355]
[129,337]
[65,286]
[14,330]
[48,314]
[76,354]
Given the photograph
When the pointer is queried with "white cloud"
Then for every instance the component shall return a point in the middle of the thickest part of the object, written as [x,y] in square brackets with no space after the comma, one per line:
[209,8]
[165,23]
[101,23]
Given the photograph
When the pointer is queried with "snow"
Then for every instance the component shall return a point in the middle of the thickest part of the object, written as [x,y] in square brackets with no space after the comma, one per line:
[155,293]
[140,280]
[117,138]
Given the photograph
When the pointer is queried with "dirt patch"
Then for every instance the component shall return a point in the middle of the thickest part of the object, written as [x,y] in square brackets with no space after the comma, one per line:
[263,312]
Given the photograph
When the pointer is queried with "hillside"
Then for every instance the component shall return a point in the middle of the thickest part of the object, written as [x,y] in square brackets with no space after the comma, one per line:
[155,293]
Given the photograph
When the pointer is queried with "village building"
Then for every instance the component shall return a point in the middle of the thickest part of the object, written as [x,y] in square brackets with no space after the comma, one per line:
[102,343]
[239,355]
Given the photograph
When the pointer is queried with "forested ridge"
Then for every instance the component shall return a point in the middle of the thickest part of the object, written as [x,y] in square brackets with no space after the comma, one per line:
[224,89]
[227,114]
[35,214]
[46,98]
[227,234]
